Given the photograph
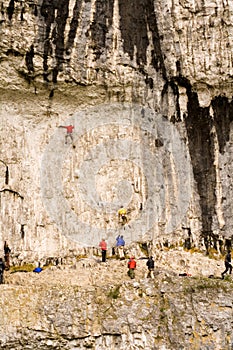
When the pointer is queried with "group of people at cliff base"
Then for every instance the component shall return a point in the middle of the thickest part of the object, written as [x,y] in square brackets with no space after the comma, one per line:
[131,264]
[120,243]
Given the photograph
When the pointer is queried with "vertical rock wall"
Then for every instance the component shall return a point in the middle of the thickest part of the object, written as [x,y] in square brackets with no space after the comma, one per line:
[61,62]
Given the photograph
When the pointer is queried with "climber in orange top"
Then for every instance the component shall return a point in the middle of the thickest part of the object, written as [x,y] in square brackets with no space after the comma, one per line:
[69,129]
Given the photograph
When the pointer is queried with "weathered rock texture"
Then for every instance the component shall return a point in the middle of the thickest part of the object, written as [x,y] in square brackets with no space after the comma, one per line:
[92,305]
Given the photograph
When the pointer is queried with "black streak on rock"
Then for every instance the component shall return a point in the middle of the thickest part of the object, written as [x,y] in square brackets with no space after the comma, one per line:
[6,173]
[99,27]
[148,80]
[201,145]
[22,13]
[7,176]
[223,116]
[133,24]
[12,52]
[173,85]
[22,232]
[10,9]
[29,59]
[57,36]
[62,15]
[136,18]
[13,192]
[73,26]
[47,11]
[51,94]
[35,11]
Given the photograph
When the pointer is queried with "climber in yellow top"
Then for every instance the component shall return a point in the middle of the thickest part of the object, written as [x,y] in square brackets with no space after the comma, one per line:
[122,215]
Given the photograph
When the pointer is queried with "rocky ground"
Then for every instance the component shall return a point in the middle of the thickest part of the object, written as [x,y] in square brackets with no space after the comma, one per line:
[91,271]
[90,304]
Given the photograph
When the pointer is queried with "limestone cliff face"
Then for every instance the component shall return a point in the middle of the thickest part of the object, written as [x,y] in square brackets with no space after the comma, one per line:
[147,85]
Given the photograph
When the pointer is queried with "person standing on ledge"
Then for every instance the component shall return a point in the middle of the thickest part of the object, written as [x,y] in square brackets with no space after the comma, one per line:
[151,265]
[69,131]
[131,266]
[103,246]
[120,243]
[227,264]
[2,268]
[7,255]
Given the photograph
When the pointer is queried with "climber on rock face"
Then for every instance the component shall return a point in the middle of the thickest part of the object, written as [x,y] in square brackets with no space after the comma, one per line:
[122,215]
[69,131]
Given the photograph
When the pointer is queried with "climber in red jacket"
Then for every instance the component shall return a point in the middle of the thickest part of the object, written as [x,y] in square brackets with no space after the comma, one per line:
[69,131]
[131,266]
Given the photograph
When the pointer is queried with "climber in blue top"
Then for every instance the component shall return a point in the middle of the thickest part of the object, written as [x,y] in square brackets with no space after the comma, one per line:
[120,247]
[120,241]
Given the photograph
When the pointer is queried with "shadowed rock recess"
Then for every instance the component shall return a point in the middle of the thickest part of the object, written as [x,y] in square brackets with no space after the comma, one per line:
[148,87]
